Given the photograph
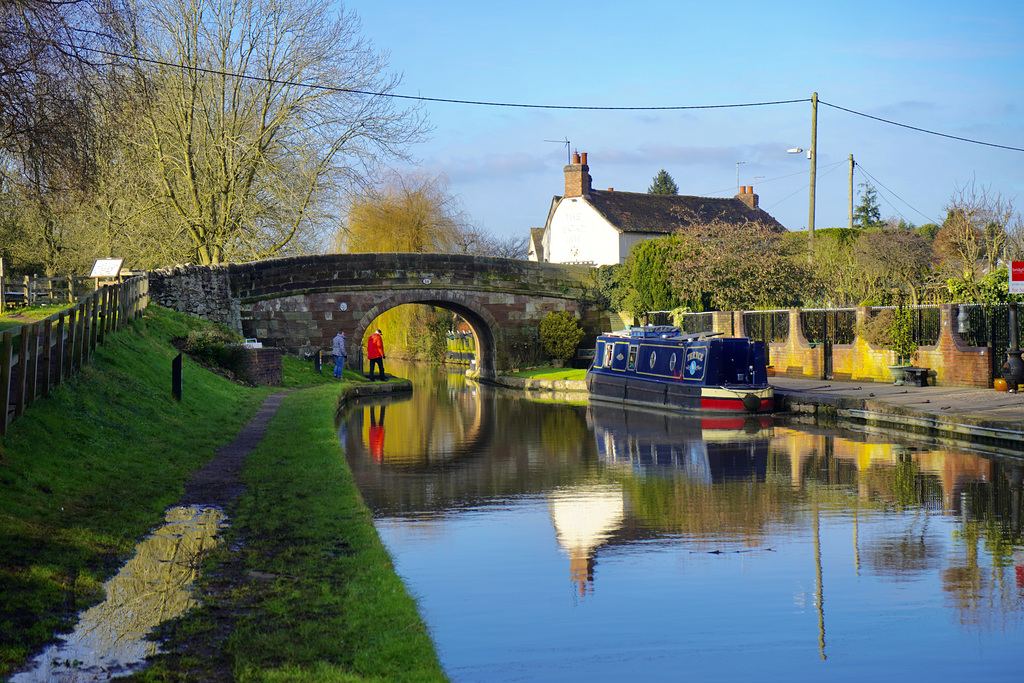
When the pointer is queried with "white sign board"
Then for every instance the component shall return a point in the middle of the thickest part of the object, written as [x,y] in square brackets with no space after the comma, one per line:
[1017,277]
[106,267]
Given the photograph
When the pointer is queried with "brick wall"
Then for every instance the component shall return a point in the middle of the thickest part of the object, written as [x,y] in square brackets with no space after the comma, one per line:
[953,362]
[264,366]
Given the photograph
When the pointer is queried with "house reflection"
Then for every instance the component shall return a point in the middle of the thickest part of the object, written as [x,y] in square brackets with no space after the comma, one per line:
[585,517]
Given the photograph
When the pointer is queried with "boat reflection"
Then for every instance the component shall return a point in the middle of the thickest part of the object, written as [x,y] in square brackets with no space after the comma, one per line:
[703,449]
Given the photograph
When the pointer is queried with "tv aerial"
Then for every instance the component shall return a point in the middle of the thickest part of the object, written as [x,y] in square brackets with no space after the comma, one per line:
[568,154]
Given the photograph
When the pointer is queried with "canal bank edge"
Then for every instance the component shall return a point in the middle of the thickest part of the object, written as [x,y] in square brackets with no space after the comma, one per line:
[951,416]
[941,415]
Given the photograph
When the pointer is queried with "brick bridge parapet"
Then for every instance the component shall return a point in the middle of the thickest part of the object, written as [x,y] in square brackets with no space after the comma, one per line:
[300,303]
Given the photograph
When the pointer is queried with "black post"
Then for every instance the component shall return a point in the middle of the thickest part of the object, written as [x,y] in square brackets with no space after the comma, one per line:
[1013,369]
[316,361]
[176,377]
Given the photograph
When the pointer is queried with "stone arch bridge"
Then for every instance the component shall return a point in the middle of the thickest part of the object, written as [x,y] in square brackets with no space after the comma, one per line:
[300,303]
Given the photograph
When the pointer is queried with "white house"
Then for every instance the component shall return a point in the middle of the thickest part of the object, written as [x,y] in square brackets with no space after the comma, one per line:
[598,227]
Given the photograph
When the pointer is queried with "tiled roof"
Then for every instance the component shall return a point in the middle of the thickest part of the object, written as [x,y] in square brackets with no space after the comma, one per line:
[654,213]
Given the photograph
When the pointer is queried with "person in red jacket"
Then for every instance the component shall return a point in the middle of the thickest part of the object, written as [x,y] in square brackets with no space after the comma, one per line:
[375,352]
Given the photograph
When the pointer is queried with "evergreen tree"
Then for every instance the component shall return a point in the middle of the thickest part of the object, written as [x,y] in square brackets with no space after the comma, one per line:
[867,214]
[663,184]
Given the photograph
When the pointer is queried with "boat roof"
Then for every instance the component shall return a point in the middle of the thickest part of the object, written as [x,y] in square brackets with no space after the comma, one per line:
[661,332]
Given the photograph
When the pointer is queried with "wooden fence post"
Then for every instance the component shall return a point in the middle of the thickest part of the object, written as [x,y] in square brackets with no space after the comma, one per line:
[32,364]
[94,315]
[102,315]
[6,348]
[58,371]
[19,385]
[47,355]
[78,332]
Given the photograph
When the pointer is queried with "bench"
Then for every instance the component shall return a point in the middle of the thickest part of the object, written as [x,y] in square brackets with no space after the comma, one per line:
[917,377]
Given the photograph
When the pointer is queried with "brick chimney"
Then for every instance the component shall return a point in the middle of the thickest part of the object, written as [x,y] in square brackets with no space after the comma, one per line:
[577,176]
[746,195]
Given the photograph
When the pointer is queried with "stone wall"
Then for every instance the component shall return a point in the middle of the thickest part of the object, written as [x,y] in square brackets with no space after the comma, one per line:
[202,291]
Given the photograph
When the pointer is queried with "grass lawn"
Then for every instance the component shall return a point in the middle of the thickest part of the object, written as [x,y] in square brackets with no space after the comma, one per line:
[23,315]
[87,472]
[552,373]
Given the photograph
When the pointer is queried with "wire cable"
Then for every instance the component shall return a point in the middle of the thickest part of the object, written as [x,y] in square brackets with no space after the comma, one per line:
[522,105]
[874,180]
[921,130]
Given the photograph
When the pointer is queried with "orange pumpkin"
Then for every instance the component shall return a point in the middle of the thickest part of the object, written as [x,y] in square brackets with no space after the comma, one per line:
[999,384]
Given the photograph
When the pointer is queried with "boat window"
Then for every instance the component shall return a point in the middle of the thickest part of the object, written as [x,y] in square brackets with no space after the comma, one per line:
[672,363]
[632,358]
[608,351]
[654,356]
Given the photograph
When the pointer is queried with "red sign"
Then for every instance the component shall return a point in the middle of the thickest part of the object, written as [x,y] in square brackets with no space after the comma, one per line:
[1017,277]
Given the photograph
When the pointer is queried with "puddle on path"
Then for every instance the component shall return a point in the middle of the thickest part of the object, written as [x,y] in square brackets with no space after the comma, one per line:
[110,638]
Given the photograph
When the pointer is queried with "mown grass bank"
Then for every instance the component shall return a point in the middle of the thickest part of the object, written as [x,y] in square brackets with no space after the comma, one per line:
[87,472]
[575,374]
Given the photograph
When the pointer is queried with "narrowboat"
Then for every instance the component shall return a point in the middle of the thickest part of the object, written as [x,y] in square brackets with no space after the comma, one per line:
[658,365]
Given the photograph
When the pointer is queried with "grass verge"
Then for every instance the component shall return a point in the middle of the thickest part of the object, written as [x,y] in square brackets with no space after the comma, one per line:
[552,373]
[90,470]
[302,589]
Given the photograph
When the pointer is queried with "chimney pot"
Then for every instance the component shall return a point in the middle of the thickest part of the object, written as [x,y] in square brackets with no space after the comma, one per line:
[575,157]
[583,157]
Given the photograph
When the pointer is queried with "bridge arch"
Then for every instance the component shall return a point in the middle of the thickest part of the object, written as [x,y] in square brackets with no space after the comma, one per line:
[480,321]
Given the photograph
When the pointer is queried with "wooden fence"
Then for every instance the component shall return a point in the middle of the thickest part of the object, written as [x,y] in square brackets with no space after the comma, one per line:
[38,356]
[32,290]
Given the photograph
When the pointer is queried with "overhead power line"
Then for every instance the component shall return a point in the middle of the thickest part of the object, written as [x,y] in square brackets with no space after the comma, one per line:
[523,105]
[921,130]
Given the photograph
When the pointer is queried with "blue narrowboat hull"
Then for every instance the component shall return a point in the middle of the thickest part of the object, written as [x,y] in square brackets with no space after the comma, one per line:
[659,366]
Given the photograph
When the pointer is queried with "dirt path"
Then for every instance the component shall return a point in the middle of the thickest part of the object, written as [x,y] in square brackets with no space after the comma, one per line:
[218,482]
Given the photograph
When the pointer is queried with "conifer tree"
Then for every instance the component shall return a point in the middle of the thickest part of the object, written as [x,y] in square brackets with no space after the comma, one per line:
[663,184]
[867,215]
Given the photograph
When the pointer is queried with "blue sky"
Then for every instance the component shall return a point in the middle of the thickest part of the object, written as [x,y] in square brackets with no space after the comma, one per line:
[940,66]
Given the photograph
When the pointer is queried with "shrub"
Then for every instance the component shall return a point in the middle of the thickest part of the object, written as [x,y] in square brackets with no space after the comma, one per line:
[893,329]
[560,334]
[219,349]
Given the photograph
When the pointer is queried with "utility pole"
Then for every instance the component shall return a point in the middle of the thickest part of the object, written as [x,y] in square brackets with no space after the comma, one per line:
[738,175]
[851,192]
[814,165]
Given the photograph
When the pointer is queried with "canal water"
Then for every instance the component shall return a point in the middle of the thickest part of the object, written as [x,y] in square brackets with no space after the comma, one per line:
[547,541]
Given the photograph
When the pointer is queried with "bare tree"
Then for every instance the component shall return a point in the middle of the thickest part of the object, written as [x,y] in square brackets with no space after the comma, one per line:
[893,260]
[260,112]
[55,57]
[973,237]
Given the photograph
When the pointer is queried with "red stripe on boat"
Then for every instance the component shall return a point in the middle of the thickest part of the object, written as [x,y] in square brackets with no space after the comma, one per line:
[722,404]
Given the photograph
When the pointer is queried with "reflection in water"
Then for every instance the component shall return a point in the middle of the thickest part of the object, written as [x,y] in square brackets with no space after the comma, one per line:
[688,536]
[153,586]
[584,518]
